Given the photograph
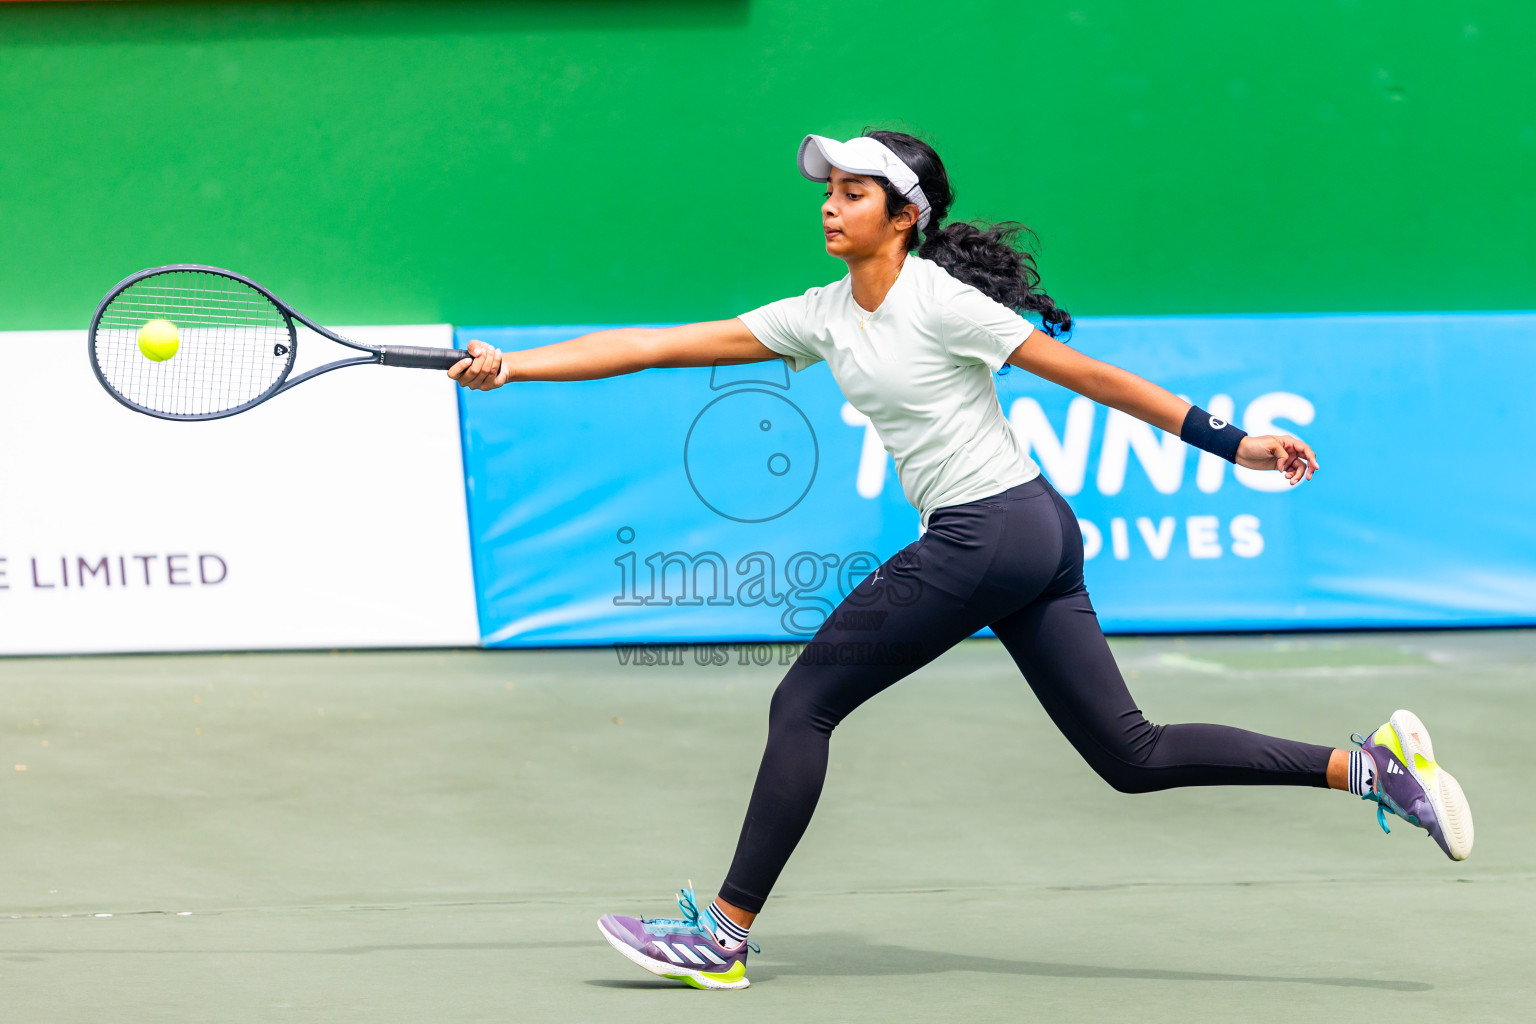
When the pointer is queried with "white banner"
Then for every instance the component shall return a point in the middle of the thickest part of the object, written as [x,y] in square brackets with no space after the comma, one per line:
[329,516]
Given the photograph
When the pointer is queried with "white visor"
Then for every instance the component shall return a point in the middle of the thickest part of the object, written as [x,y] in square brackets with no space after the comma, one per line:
[863,155]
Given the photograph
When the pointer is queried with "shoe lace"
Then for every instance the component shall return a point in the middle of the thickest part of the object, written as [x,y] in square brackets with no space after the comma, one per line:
[1384,803]
[692,917]
[690,908]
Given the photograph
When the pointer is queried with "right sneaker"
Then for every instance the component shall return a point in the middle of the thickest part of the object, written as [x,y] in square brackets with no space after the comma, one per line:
[683,950]
[1412,786]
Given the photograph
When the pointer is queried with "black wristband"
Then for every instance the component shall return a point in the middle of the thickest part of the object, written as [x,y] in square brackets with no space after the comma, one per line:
[1210,434]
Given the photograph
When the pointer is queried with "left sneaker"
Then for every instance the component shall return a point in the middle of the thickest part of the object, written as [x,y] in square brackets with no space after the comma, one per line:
[1412,786]
[683,950]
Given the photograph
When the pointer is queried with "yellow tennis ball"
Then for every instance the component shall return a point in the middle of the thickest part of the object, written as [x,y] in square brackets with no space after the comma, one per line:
[158,340]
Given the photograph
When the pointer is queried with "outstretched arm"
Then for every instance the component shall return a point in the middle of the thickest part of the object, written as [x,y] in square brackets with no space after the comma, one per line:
[611,353]
[1046,357]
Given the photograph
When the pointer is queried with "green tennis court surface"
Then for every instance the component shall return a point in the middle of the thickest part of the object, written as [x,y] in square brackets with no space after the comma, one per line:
[431,836]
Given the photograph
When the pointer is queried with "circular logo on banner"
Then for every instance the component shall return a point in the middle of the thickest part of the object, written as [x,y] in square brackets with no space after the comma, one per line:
[750,455]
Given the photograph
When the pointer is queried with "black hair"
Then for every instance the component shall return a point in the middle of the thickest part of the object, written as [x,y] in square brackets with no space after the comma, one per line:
[988,257]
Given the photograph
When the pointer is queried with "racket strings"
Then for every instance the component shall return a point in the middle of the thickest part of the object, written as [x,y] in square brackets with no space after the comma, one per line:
[235,345]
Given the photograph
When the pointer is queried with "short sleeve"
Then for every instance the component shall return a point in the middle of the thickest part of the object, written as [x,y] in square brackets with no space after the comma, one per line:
[978,329]
[784,326]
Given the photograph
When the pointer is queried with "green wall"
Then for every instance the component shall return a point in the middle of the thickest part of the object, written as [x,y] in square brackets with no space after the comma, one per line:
[549,162]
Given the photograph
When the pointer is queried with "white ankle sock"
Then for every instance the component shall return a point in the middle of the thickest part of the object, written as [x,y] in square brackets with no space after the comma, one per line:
[727,932]
[1362,773]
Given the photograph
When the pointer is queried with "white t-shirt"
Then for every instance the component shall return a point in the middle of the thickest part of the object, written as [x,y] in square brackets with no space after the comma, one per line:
[920,367]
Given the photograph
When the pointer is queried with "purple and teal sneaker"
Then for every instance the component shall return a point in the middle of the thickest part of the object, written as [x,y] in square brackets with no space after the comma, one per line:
[1412,786]
[683,950]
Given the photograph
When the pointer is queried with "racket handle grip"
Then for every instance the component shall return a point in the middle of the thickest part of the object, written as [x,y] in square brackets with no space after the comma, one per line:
[420,358]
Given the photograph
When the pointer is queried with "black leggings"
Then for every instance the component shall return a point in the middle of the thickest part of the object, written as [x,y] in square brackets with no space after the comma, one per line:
[1014,562]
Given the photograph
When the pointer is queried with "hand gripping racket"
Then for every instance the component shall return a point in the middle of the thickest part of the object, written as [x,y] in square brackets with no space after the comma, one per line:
[231,344]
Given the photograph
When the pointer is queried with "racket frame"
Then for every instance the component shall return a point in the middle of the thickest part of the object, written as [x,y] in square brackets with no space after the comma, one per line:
[403,355]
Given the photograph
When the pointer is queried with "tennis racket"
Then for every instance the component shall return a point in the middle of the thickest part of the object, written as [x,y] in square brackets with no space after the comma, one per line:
[231,344]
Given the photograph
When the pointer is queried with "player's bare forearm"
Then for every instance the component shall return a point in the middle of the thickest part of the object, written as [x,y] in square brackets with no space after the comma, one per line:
[1046,357]
[589,357]
[613,353]
[1109,385]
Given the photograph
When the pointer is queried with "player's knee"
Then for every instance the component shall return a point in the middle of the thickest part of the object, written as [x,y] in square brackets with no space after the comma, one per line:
[1123,758]
[1128,778]
[794,706]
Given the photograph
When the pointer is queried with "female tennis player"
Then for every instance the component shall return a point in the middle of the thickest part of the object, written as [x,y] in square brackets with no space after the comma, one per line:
[913,341]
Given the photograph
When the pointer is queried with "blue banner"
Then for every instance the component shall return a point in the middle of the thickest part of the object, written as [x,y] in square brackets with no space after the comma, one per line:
[741,503]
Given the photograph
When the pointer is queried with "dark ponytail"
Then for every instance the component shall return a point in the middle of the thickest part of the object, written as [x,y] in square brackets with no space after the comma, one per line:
[989,258]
